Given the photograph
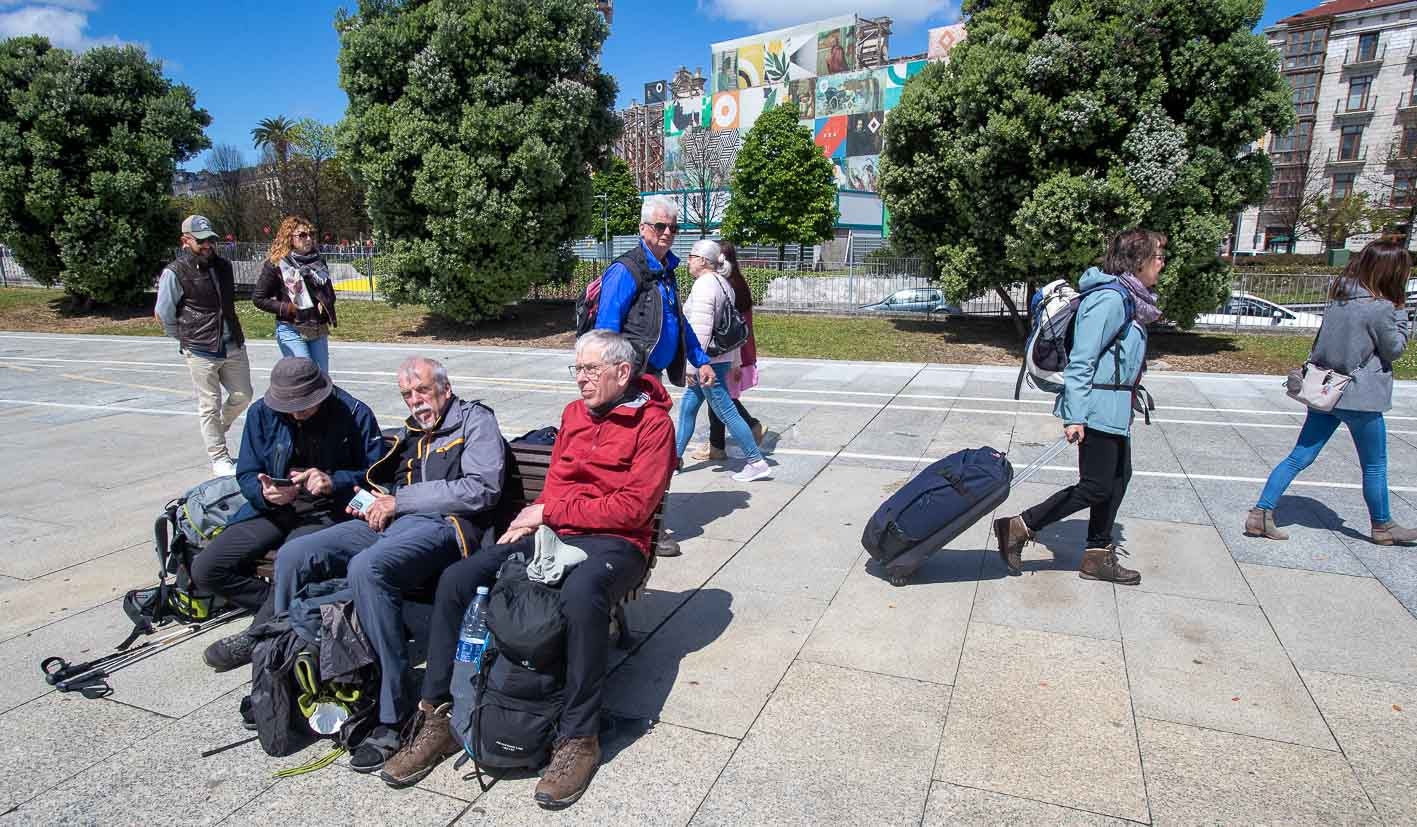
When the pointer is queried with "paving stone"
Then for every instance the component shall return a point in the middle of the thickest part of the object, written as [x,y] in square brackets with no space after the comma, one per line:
[1184,560]
[163,778]
[1215,665]
[819,755]
[682,762]
[338,790]
[1319,618]
[56,737]
[1311,544]
[1055,704]
[1162,499]
[915,631]
[675,579]
[1394,567]
[56,596]
[810,546]
[1199,776]
[725,510]
[714,664]
[951,804]
[1376,725]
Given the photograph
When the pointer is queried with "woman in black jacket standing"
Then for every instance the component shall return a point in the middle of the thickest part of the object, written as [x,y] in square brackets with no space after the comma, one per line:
[295,285]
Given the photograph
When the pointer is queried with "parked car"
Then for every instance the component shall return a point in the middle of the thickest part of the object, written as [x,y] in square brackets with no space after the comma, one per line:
[914,300]
[1248,310]
[1411,299]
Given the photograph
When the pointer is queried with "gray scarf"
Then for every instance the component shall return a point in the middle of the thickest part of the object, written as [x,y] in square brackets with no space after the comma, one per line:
[1142,298]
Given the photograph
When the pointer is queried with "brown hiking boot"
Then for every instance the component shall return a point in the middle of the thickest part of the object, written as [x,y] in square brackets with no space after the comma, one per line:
[573,763]
[1101,564]
[1260,523]
[1390,533]
[708,452]
[758,432]
[1012,534]
[427,741]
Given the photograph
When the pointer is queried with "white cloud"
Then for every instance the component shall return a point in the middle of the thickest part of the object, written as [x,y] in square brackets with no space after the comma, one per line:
[64,22]
[782,13]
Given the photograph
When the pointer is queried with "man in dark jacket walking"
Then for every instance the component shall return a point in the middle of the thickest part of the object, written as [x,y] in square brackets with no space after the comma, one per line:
[438,490]
[609,470]
[305,447]
[640,298]
[196,303]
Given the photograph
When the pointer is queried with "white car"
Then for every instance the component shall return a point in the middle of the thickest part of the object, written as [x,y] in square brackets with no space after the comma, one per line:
[1248,310]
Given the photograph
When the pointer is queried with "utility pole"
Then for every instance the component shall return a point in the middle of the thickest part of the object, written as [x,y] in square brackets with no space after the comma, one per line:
[605,215]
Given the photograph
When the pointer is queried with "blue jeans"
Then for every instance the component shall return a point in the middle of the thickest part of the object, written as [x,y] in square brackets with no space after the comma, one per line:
[409,553]
[291,343]
[722,404]
[1369,437]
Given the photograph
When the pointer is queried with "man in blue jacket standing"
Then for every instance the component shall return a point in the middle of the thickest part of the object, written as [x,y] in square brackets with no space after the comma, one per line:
[640,298]
[305,446]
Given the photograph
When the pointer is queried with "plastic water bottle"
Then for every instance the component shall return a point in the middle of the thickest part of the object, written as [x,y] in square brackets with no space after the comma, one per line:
[472,638]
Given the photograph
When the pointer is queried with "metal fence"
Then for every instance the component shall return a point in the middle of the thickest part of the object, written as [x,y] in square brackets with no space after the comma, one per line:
[890,286]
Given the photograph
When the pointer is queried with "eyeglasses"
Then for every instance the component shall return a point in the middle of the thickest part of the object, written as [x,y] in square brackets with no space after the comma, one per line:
[304,234]
[660,226]
[592,372]
[1160,257]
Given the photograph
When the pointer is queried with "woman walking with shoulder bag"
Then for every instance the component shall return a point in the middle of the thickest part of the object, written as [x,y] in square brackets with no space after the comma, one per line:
[295,285]
[1364,330]
[745,374]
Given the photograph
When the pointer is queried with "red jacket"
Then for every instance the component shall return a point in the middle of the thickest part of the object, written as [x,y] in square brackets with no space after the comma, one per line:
[608,474]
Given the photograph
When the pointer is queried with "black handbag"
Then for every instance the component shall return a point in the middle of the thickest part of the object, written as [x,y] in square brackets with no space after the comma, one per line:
[730,332]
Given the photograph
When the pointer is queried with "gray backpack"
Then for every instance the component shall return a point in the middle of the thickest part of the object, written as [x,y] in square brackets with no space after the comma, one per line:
[205,510]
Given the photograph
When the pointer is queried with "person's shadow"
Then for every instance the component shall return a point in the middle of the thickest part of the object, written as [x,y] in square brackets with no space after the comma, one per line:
[637,687]
[1311,513]
[686,513]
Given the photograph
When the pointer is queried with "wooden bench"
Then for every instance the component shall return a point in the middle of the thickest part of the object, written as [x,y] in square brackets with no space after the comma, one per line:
[526,479]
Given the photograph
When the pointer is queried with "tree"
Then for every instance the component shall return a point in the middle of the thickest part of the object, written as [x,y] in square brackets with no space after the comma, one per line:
[88,147]
[707,164]
[782,190]
[276,136]
[1293,193]
[1333,219]
[314,143]
[1055,125]
[1393,184]
[474,126]
[622,198]
[228,166]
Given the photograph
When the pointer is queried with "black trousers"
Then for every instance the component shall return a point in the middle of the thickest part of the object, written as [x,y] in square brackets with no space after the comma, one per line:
[227,566]
[1104,469]
[717,430]
[613,567]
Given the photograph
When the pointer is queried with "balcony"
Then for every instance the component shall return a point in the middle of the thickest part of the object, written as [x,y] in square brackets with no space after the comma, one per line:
[1346,109]
[1338,159]
[1363,58]
[1406,105]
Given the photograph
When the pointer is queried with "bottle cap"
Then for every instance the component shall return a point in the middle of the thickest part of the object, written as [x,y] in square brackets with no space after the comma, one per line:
[482,590]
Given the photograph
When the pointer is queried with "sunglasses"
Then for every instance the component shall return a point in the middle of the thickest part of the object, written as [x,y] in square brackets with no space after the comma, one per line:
[304,235]
[660,226]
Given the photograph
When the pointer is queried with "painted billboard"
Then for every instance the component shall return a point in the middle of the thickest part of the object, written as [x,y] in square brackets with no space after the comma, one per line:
[943,39]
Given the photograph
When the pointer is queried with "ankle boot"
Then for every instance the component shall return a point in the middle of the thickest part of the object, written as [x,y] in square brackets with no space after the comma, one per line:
[1390,533]
[1101,564]
[1260,523]
[1012,533]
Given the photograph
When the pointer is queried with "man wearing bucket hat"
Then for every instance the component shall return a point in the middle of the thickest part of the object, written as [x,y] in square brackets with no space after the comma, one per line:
[196,303]
[306,444]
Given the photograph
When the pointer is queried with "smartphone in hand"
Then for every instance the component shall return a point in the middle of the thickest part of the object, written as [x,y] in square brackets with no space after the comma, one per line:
[282,481]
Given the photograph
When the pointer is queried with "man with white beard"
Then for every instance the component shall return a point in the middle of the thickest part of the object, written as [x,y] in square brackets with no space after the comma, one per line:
[434,498]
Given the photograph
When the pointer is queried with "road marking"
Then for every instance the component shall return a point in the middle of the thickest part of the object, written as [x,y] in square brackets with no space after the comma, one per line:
[125,384]
[18,367]
[77,406]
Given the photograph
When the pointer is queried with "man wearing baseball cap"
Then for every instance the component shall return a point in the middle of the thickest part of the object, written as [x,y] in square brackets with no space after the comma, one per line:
[306,444]
[196,303]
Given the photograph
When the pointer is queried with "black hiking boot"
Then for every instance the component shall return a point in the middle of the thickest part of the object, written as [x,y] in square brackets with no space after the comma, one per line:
[230,652]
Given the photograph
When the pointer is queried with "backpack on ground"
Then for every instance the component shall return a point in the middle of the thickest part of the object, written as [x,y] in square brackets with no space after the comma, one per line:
[1054,310]
[506,711]
[206,509]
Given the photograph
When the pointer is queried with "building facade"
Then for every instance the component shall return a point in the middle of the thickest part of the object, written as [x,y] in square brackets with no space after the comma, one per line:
[1352,65]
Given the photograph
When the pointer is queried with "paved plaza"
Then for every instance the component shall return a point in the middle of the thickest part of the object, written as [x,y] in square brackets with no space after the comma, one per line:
[774,678]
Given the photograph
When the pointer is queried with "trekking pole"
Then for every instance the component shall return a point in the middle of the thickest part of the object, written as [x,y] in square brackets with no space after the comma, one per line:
[64,676]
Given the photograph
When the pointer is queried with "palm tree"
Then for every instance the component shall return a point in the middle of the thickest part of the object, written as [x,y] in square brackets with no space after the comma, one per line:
[278,133]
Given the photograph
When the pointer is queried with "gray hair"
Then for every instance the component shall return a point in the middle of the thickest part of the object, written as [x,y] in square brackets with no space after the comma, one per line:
[410,366]
[655,204]
[708,250]
[614,347]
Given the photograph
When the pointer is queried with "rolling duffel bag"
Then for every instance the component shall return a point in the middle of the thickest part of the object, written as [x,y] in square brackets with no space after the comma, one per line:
[939,504]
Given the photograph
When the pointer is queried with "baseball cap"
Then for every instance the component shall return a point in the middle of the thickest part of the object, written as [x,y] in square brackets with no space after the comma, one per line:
[198,226]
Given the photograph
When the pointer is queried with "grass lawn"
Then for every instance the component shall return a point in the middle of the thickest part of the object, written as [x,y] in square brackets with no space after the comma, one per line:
[547,324]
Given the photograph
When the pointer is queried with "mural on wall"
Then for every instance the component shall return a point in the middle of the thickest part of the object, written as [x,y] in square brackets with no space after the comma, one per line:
[943,39]
[849,93]
[836,72]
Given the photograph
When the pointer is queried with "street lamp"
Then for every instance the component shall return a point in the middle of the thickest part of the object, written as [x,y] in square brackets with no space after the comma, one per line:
[605,215]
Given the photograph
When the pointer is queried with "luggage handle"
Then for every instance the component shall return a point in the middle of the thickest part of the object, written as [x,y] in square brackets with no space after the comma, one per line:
[1043,459]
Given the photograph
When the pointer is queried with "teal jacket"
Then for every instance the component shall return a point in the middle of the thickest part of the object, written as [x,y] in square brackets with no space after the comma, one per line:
[1100,315]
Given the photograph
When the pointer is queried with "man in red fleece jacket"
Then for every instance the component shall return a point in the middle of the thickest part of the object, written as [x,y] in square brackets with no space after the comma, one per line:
[610,466]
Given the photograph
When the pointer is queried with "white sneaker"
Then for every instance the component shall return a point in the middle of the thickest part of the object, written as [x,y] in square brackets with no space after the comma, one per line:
[759,470]
[223,468]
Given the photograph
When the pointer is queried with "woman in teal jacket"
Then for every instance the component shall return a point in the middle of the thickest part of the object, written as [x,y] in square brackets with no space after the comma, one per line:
[1096,403]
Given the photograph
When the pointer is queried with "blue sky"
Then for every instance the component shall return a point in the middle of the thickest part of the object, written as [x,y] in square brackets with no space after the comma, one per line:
[254,59]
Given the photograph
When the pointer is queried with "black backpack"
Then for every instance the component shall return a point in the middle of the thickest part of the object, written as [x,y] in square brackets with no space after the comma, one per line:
[730,332]
[525,618]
